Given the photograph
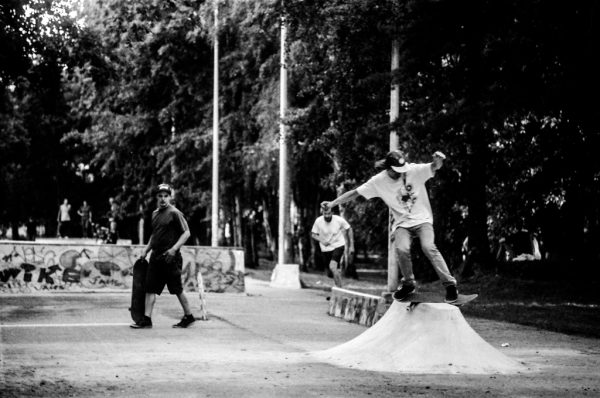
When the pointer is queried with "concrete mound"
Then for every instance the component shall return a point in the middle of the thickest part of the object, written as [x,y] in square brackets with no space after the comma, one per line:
[431,338]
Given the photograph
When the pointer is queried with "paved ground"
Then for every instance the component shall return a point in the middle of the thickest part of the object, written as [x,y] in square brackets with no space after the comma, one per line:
[254,345]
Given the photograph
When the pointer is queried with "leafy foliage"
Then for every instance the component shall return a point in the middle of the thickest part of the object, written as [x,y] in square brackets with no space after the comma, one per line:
[502,88]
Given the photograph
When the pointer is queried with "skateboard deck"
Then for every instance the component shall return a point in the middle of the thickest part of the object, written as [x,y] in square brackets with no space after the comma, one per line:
[416,298]
[138,291]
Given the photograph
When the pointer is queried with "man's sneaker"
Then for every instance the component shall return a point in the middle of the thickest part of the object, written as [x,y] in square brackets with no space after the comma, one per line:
[145,323]
[186,321]
[451,294]
[403,292]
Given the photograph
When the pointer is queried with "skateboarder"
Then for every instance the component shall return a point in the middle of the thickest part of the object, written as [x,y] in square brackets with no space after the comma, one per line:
[332,233]
[169,233]
[401,185]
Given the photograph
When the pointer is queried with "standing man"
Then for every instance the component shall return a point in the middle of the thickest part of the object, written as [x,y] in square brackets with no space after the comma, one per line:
[64,219]
[169,233]
[31,229]
[332,233]
[140,224]
[85,212]
[401,185]
[114,212]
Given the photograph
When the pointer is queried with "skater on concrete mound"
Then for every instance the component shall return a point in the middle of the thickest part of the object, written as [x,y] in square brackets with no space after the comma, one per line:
[401,185]
[169,233]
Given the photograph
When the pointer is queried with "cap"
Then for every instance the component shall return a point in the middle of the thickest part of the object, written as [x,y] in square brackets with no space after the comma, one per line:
[164,188]
[396,161]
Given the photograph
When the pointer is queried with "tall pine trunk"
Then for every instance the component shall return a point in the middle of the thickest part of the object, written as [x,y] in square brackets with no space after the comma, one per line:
[479,257]
[271,243]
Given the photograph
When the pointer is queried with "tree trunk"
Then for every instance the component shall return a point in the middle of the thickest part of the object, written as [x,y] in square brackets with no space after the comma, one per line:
[478,257]
[237,228]
[271,246]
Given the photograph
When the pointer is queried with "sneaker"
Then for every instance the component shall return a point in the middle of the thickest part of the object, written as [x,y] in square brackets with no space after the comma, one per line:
[186,321]
[403,292]
[145,323]
[451,294]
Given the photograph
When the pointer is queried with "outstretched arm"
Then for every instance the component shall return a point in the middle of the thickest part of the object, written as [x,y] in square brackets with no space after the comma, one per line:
[340,200]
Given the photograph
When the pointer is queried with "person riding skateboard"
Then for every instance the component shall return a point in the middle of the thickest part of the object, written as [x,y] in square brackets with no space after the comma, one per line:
[169,232]
[333,234]
[401,185]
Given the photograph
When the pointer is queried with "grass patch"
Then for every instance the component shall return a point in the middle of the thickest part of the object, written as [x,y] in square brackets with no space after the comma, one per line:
[571,307]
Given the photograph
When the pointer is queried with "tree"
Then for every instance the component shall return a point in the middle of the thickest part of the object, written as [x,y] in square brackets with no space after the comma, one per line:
[36,171]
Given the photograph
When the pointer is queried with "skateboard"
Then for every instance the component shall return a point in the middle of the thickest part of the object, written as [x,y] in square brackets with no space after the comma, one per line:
[138,293]
[416,298]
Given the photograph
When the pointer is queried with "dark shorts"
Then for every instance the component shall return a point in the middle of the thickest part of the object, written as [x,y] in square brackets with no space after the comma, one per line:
[334,255]
[162,271]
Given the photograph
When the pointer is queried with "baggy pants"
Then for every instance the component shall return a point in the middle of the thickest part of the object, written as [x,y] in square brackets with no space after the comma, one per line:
[402,240]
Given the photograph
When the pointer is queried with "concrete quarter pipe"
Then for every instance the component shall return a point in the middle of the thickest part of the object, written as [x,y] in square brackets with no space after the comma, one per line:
[432,338]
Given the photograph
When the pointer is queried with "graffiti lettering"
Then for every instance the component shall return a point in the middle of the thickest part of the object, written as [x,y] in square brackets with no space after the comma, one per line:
[65,266]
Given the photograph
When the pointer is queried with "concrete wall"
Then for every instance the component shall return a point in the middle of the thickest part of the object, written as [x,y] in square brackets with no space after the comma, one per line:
[356,307]
[30,266]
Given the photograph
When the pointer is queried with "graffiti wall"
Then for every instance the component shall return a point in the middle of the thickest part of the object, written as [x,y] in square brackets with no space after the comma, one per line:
[356,307]
[28,267]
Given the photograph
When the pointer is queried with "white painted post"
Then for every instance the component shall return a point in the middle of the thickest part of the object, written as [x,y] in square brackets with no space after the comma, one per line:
[284,189]
[215,146]
[284,275]
[392,279]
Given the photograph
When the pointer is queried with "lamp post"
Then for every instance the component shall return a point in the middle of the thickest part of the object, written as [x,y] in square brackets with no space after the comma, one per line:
[392,279]
[215,146]
[284,184]
[285,275]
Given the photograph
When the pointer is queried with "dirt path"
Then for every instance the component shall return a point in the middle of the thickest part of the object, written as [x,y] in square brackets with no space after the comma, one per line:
[254,345]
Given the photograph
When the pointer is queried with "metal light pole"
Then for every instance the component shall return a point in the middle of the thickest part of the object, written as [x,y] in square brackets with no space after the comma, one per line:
[392,280]
[215,146]
[285,274]
[284,188]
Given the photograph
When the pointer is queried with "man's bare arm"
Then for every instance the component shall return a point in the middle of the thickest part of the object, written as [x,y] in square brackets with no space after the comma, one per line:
[340,200]
[148,246]
[182,239]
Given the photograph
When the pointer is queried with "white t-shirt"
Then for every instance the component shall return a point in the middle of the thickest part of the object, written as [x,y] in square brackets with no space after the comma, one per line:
[332,231]
[64,212]
[408,200]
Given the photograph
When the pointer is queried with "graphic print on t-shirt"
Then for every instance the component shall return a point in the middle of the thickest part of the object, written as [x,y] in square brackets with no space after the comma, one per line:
[406,197]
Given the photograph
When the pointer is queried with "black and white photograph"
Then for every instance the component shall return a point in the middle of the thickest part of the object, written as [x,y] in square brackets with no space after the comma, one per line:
[299,198]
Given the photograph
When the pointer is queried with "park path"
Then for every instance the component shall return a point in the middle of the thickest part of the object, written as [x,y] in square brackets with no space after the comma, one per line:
[253,345]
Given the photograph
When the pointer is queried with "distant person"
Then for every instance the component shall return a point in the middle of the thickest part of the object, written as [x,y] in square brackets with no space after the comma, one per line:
[522,245]
[401,185]
[140,224]
[169,232]
[332,233]
[85,214]
[31,229]
[114,212]
[112,236]
[64,219]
